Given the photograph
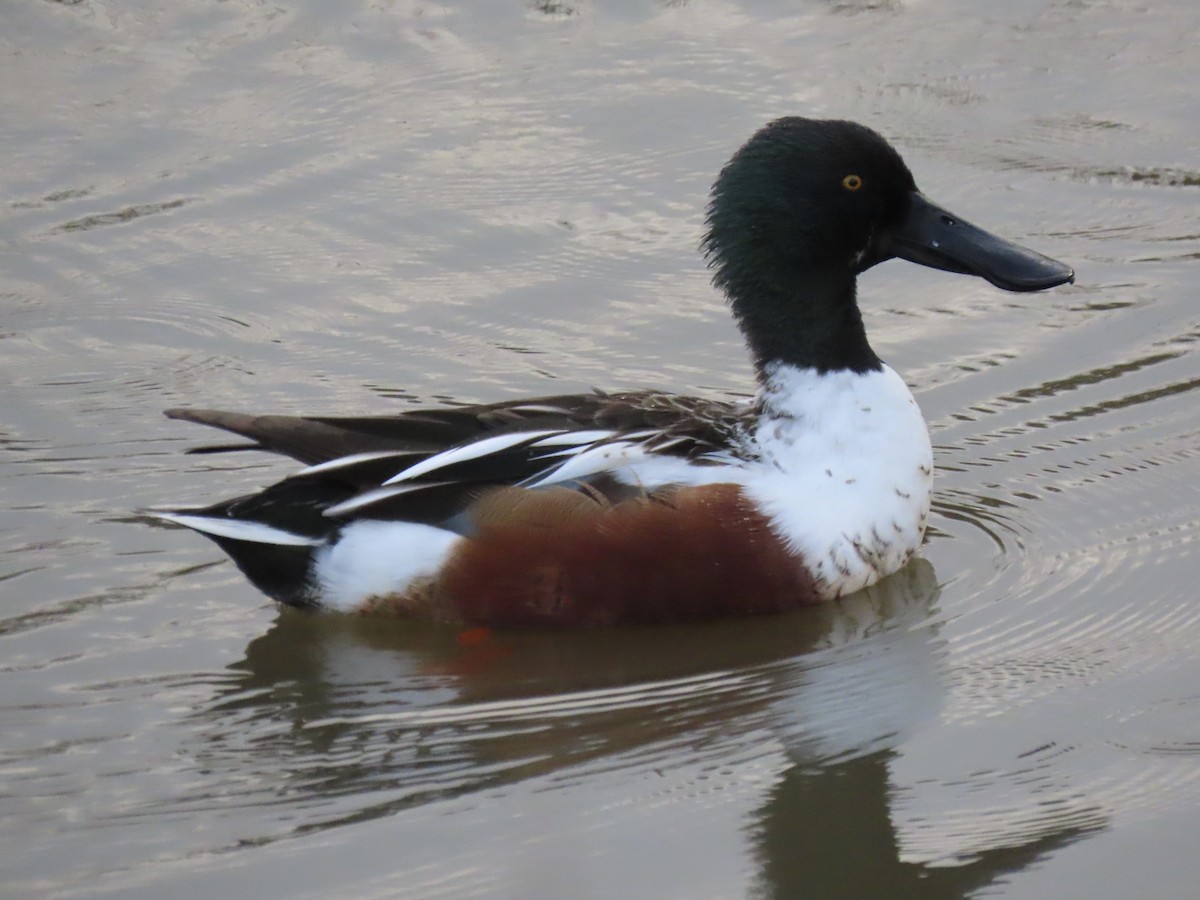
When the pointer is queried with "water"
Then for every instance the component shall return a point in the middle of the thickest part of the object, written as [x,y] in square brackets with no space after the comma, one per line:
[355,207]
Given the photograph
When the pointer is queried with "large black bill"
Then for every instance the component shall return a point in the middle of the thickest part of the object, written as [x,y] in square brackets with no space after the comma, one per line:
[933,237]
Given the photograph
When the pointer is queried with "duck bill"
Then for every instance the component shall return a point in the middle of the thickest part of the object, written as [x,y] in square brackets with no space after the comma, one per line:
[934,237]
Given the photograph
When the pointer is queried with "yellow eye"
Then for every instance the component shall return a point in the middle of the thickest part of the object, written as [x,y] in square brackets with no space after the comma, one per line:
[852,182]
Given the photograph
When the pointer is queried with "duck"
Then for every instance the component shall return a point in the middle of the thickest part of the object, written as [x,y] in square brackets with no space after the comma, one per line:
[646,507]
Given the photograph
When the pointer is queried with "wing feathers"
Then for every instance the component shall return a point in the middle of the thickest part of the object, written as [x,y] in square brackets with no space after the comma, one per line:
[429,465]
[465,452]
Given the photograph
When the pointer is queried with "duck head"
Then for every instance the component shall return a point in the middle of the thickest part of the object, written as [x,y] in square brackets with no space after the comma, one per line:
[804,207]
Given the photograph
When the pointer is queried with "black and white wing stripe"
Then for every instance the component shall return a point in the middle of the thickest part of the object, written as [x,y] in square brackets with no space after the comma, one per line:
[429,465]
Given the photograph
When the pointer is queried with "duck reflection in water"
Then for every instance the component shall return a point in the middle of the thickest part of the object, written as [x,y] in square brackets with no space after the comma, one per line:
[390,719]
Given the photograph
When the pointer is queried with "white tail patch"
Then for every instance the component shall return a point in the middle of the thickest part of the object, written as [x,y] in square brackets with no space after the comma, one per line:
[239,530]
[377,559]
[473,450]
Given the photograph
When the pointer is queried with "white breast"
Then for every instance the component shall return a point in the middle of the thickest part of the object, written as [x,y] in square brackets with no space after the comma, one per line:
[846,472]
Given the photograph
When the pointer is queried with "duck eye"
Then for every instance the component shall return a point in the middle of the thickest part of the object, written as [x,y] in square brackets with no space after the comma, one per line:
[852,182]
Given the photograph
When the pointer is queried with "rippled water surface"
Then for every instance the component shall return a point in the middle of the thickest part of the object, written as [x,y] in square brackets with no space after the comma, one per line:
[311,206]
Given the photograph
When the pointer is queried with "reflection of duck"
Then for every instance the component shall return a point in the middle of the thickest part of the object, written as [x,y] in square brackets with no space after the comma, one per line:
[644,507]
[832,833]
[548,754]
[422,711]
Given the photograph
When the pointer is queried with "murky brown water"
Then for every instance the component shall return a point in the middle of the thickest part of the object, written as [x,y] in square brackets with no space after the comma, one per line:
[332,207]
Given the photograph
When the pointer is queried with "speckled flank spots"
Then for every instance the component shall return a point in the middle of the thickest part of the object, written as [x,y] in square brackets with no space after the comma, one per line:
[848,463]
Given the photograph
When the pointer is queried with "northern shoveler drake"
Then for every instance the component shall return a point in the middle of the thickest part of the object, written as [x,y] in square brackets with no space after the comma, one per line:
[608,508]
